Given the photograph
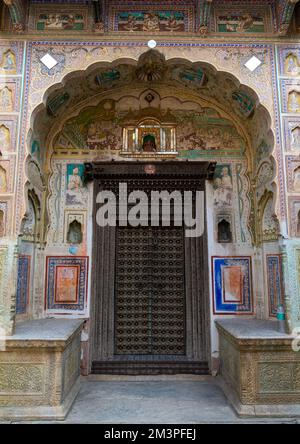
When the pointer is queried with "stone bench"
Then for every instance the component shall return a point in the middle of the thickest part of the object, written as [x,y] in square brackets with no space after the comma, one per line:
[40,369]
[259,371]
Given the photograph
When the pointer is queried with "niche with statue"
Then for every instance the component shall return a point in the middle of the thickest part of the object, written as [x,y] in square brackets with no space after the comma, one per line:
[151,135]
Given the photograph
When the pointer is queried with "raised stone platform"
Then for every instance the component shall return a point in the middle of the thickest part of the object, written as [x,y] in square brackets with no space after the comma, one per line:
[40,369]
[259,371]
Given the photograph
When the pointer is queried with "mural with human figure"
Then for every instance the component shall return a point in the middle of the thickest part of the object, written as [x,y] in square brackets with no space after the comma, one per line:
[76,191]
[223,188]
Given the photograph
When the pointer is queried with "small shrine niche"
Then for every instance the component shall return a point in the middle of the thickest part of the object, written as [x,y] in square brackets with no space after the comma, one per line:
[74,235]
[74,227]
[149,136]
[295,137]
[224,231]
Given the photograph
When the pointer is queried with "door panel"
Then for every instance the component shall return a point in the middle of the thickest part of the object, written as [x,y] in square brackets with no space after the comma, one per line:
[150,301]
[150,291]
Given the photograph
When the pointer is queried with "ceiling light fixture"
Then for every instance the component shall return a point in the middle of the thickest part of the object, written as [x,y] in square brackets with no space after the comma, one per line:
[152,44]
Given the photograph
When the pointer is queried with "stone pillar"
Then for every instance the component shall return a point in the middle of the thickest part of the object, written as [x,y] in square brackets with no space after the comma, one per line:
[8,281]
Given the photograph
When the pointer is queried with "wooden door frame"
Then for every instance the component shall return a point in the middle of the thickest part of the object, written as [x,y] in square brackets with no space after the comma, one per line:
[103,262]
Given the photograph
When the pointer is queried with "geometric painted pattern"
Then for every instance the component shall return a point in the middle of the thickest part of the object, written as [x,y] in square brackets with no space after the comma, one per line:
[275,287]
[23,284]
[66,282]
[232,285]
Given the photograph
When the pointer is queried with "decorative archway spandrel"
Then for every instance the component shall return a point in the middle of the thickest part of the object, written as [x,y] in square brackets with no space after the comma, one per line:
[73,59]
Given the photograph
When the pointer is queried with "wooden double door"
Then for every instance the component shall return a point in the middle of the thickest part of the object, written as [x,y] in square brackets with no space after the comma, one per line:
[150,283]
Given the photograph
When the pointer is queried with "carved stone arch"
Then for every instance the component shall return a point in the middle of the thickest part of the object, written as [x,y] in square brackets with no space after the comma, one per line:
[72,107]
[31,223]
[268,224]
[36,193]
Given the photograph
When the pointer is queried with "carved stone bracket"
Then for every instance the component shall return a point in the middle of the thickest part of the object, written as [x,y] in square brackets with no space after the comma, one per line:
[99,16]
[18,13]
[203,14]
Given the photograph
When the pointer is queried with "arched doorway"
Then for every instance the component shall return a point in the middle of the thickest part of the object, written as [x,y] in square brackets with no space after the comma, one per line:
[153,111]
[150,292]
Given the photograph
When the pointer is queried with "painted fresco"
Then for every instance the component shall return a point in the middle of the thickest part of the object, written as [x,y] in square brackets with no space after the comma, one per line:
[53,18]
[101,129]
[60,22]
[291,64]
[292,134]
[76,192]
[8,133]
[232,285]
[206,131]
[6,99]
[66,285]
[160,21]
[67,279]
[149,19]
[244,104]
[239,21]
[191,77]
[289,61]
[6,175]
[8,64]
[223,187]
[290,96]
[294,102]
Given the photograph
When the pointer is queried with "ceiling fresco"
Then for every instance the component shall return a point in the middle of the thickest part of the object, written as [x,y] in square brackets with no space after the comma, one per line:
[240,17]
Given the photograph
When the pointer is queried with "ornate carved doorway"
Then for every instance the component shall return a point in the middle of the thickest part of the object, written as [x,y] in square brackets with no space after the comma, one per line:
[150,284]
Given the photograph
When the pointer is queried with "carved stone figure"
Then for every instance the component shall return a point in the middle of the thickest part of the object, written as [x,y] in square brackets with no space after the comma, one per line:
[291,64]
[3,180]
[294,102]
